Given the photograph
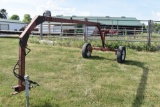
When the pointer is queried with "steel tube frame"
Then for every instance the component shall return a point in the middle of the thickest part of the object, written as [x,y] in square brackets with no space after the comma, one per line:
[23,39]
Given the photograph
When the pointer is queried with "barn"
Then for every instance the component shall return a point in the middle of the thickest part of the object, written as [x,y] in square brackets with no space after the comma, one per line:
[114,25]
[11,25]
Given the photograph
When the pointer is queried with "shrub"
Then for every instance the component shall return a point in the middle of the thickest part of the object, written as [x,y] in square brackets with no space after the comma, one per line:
[77,42]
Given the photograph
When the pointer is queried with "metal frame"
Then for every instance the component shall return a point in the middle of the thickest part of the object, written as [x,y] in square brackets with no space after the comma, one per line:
[23,39]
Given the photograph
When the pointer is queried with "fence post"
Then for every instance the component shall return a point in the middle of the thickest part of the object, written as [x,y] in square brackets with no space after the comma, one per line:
[61,30]
[117,29]
[49,28]
[41,31]
[150,30]
[125,32]
[134,33]
[27,89]
[84,31]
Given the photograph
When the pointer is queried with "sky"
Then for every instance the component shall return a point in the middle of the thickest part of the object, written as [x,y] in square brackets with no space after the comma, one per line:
[140,9]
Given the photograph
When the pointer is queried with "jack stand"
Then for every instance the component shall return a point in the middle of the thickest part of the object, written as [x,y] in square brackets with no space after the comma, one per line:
[27,89]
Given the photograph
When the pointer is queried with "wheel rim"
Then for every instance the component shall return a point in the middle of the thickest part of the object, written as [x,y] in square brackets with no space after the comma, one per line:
[123,55]
[89,51]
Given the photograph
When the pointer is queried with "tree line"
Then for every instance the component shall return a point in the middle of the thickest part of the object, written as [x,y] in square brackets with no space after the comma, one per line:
[4,15]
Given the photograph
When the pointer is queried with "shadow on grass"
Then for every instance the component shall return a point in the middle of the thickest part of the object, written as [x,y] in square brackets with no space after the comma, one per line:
[142,85]
[47,104]
[100,58]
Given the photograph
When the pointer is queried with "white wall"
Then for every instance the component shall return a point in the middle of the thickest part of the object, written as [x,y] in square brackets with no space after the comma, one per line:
[14,26]
[4,26]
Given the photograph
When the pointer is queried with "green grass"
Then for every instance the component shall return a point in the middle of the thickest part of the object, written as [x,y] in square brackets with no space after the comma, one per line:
[68,80]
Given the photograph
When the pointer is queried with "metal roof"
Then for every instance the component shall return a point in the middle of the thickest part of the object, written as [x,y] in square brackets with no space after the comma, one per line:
[11,21]
[120,21]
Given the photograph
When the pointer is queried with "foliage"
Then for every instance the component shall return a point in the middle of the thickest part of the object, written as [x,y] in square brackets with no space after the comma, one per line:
[3,10]
[78,42]
[3,14]
[27,18]
[156,27]
[139,46]
[14,17]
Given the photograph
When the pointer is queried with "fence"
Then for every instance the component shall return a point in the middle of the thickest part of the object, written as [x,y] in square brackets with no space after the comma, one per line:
[116,30]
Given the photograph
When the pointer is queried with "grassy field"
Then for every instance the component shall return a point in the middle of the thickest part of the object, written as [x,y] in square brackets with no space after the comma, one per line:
[68,80]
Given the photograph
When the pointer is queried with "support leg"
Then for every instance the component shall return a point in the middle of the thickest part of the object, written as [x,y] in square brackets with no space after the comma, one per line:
[20,87]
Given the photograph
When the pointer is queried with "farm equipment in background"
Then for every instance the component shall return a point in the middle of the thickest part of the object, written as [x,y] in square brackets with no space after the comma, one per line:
[86,49]
[108,32]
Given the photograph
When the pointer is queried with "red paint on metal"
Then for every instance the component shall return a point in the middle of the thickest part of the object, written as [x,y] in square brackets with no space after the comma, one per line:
[25,35]
[104,49]
[38,20]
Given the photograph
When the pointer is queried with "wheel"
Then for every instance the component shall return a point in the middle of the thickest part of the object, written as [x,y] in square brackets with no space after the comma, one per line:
[121,54]
[86,50]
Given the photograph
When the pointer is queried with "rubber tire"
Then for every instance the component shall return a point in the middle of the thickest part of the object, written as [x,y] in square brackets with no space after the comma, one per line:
[85,50]
[120,52]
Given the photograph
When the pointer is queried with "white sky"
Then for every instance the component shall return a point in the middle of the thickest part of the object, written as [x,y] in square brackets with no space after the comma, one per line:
[141,9]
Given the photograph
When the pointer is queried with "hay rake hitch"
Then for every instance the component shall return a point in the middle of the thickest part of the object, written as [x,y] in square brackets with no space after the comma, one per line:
[86,49]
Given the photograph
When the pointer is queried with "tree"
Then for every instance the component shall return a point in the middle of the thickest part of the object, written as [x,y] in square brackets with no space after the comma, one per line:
[3,14]
[27,18]
[156,27]
[14,17]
